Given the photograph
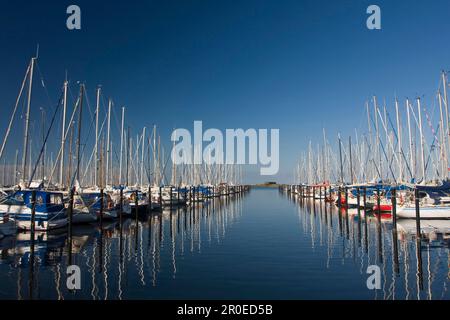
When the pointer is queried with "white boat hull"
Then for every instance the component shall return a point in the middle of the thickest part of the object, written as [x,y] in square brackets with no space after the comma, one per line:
[429,212]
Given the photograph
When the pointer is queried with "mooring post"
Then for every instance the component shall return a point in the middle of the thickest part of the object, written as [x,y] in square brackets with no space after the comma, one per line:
[379,203]
[32,228]
[69,244]
[346,199]
[394,230]
[339,199]
[416,196]
[72,191]
[365,199]
[160,197]
[171,200]
[121,204]
[101,208]
[366,237]
[33,214]
[394,209]
[149,205]
[358,201]
[136,203]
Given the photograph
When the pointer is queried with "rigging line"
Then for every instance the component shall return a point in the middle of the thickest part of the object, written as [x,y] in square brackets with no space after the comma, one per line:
[92,154]
[429,156]
[401,149]
[46,139]
[8,130]
[69,127]
[43,83]
[369,151]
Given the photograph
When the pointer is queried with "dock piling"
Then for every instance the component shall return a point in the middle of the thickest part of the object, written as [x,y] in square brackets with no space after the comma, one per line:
[417,202]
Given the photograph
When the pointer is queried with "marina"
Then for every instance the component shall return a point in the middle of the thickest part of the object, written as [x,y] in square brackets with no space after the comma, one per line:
[192,156]
[263,244]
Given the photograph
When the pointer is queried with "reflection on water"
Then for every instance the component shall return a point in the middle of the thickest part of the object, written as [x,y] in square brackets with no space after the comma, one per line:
[117,260]
[260,245]
[411,268]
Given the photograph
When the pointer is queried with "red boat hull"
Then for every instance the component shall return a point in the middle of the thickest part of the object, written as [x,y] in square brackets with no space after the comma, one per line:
[383,208]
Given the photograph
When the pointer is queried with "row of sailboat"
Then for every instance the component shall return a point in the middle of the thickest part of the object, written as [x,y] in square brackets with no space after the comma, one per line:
[87,178]
[401,160]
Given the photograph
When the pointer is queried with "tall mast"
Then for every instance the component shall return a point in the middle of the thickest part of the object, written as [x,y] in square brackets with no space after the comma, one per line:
[411,154]
[142,157]
[79,131]
[399,135]
[108,144]
[63,133]
[351,160]
[444,161]
[27,123]
[16,166]
[378,136]
[422,149]
[43,143]
[97,111]
[340,159]
[154,157]
[121,146]
[447,119]
[159,161]
[128,155]
[174,172]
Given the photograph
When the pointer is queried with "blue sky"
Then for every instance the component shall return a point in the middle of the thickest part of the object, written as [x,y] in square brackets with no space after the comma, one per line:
[294,65]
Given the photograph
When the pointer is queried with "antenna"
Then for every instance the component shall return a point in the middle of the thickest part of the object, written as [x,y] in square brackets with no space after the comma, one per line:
[37,51]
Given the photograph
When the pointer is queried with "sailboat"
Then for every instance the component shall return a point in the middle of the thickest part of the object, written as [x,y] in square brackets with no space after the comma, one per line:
[50,212]
[434,203]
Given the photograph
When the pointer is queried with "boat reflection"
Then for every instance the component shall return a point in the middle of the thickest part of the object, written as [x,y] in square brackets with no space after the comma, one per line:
[412,268]
[118,260]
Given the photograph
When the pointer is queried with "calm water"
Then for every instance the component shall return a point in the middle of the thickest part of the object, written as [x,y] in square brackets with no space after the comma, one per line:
[263,245]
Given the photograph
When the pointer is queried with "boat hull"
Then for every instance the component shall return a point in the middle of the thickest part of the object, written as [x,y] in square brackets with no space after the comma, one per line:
[434,212]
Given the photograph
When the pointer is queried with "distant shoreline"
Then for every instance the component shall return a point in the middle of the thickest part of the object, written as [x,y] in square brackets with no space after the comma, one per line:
[266,185]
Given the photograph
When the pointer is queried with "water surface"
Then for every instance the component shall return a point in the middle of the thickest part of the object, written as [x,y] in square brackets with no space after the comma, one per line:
[261,245]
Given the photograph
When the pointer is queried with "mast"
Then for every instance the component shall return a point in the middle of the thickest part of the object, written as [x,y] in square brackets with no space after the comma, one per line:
[142,158]
[108,144]
[447,132]
[63,132]
[422,149]
[128,155]
[121,146]
[399,135]
[79,132]
[96,159]
[16,166]
[378,136]
[27,123]
[154,156]
[351,160]
[444,161]
[69,177]
[174,172]
[340,159]
[411,155]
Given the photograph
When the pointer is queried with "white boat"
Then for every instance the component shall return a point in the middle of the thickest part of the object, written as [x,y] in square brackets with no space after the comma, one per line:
[50,212]
[167,198]
[426,212]
[433,204]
